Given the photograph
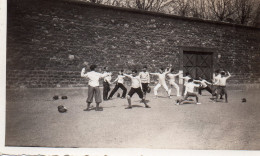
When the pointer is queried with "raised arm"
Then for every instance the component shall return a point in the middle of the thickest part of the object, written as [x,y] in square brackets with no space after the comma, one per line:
[83,73]
[229,75]
[168,71]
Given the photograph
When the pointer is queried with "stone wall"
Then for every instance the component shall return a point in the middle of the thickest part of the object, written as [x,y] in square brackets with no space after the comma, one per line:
[48,42]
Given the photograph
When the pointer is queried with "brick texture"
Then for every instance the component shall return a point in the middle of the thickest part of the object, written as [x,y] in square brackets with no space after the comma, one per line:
[43,36]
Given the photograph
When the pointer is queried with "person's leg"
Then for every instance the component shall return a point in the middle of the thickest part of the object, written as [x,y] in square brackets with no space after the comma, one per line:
[166,89]
[140,94]
[90,97]
[113,91]
[97,98]
[156,89]
[105,90]
[177,89]
[145,87]
[217,92]
[225,93]
[183,89]
[128,97]
[200,89]
[209,90]
[120,85]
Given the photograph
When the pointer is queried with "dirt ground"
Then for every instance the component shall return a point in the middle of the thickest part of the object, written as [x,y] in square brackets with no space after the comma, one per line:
[32,119]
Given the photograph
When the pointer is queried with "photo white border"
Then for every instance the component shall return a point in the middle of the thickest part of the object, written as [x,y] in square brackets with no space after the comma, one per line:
[79,151]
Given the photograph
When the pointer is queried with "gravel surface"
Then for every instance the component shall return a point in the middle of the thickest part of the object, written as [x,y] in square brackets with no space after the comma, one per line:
[32,119]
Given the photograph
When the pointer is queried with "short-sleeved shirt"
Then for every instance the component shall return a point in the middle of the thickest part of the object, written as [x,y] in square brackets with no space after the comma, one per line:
[136,81]
[216,78]
[190,87]
[120,79]
[107,78]
[93,78]
[222,81]
[145,77]
[186,78]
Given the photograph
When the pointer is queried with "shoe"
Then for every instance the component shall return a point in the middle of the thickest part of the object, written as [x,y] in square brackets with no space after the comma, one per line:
[198,103]
[170,97]
[122,97]
[147,106]
[87,109]
[129,107]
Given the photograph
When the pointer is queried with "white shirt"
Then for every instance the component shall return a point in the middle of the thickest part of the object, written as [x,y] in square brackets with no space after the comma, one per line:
[186,78]
[120,79]
[108,77]
[190,87]
[172,78]
[93,77]
[223,80]
[161,77]
[216,79]
[203,83]
[136,81]
[145,77]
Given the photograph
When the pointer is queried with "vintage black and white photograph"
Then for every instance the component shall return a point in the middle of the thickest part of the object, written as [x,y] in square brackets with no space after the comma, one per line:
[153,74]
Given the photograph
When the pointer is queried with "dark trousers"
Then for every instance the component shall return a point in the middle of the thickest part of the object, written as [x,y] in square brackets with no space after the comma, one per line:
[106,89]
[183,89]
[118,85]
[207,88]
[221,90]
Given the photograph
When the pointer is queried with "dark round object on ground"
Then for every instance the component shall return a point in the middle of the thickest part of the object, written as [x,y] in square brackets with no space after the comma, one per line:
[62,109]
[148,89]
[55,97]
[64,97]
[244,100]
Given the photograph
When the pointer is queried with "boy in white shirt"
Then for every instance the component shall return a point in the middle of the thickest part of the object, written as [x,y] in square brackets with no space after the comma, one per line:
[145,80]
[222,85]
[185,78]
[93,86]
[161,76]
[106,83]
[189,91]
[119,84]
[136,87]
[173,83]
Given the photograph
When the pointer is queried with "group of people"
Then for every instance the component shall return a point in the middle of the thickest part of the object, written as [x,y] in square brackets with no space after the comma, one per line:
[140,85]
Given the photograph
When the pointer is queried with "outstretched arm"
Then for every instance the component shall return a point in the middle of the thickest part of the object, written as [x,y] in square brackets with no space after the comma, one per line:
[130,76]
[115,80]
[154,73]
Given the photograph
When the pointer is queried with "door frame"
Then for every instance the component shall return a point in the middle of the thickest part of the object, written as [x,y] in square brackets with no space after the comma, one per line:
[183,49]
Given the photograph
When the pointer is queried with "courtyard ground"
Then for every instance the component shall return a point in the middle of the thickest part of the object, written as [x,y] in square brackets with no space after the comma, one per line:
[32,119]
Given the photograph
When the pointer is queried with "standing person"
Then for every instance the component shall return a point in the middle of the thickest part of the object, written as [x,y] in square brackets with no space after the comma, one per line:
[93,86]
[189,92]
[185,78]
[136,87]
[106,83]
[173,83]
[222,86]
[216,77]
[145,80]
[119,84]
[161,75]
[203,85]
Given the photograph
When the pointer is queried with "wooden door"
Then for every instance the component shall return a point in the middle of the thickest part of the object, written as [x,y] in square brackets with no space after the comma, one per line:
[198,64]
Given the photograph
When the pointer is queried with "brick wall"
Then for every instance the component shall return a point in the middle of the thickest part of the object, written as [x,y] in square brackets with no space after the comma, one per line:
[43,35]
